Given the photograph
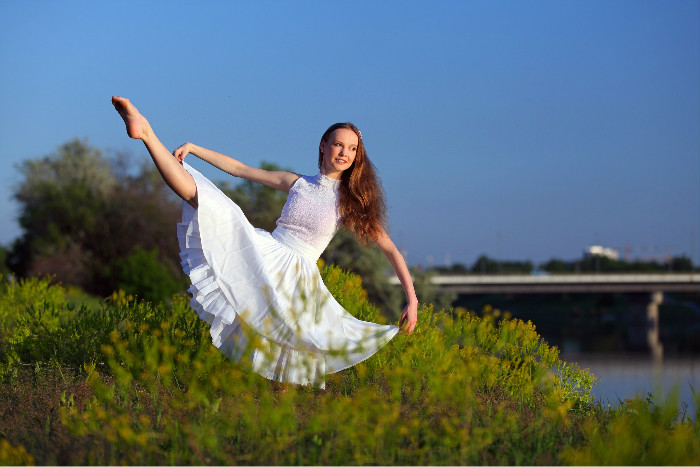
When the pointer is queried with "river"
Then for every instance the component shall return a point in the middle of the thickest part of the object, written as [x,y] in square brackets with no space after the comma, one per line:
[601,332]
[624,376]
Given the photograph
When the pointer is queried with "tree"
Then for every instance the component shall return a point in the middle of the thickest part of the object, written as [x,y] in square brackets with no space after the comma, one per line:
[142,213]
[556,265]
[681,263]
[457,268]
[604,264]
[60,197]
[144,275]
[4,269]
[80,215]
[484,264]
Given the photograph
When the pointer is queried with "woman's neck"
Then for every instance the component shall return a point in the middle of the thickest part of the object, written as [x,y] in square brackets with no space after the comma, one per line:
[331,173]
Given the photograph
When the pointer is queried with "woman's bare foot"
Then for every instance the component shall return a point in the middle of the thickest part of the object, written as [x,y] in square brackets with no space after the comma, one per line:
[137,126]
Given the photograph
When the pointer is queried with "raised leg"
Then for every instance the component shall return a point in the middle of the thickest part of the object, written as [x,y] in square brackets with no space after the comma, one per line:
[174,174]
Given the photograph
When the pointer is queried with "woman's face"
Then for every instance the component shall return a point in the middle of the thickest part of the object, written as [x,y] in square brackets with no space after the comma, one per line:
[339,152]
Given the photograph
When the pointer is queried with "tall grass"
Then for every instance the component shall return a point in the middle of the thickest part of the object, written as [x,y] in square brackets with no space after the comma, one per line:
[136,383]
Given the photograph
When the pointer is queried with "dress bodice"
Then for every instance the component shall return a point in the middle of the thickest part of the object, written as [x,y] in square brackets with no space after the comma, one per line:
[311,212]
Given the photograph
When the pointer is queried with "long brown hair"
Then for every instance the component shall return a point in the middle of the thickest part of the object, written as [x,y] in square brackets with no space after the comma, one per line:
[361,203]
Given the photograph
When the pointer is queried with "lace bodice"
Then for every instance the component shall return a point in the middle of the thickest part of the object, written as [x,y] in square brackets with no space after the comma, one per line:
[311,211]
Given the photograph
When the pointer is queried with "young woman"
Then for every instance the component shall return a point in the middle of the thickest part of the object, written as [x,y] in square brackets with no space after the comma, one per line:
[260,291]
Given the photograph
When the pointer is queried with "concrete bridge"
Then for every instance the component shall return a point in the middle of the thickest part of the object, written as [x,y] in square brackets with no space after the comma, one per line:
[648,290]
[567,283]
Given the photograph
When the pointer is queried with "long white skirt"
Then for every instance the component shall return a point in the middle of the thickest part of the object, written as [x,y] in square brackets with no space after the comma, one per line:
[263,296]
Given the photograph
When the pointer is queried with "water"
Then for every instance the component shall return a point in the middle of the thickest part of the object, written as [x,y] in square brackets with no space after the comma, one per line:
[606,333]
[621,377]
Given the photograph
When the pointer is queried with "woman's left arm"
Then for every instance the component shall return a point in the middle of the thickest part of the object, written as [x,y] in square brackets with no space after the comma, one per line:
[410,312]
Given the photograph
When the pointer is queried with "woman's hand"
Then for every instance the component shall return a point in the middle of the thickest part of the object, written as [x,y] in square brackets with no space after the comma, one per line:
[409,317]
[182,151]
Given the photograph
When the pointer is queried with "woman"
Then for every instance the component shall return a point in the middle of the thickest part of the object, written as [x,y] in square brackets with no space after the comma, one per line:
[261,292]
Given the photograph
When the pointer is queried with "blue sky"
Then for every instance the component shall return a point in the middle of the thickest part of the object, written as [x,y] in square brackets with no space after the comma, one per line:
[521,130]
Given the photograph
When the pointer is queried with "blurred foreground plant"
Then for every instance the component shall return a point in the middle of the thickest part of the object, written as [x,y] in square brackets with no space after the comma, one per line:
[640,432]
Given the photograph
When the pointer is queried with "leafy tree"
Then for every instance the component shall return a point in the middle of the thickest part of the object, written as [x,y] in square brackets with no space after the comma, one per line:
[142,274]
[557,265]
[681,263]
[61,198]
[142,213]
[80,215]
[604,264]
[484,264]
[4,269]
[457,268]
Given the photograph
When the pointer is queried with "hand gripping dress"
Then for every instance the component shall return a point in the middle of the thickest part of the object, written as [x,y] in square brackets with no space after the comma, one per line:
[262,292]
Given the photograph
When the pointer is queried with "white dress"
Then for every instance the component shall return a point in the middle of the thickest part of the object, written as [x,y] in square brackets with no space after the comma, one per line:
[262,292]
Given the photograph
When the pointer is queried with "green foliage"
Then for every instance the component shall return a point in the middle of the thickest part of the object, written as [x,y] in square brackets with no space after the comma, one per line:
[347,288]
[604,264]
[143,275]
[80,214]
[640,432]
[20,300]
[62,193]
[555,265]
[456,268]
[61,198]
[4,268]
[484,264]
[14,455]
[135,383]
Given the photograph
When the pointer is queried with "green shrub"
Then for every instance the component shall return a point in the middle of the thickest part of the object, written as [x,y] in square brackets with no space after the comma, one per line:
[639,432]
[21,314]
[14,455]
[138,383]
[143,275]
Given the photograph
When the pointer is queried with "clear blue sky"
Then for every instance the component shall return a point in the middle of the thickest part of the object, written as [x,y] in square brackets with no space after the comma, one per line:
[522,130]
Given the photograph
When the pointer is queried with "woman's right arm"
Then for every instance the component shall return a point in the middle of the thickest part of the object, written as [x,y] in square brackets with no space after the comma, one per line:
[278,179]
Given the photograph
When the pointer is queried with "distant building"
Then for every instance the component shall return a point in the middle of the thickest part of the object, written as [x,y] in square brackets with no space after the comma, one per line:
[597,250]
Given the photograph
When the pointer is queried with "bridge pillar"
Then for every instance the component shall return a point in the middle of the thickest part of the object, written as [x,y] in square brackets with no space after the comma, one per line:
[653,341]
[643,331]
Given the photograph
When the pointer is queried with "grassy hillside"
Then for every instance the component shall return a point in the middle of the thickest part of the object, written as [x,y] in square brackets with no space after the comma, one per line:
[126,381]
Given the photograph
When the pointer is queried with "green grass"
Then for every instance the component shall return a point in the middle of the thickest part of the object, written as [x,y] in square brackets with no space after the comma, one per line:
[127,382]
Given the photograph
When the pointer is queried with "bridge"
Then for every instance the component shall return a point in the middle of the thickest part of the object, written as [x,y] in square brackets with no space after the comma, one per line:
[566,283]
[652,286]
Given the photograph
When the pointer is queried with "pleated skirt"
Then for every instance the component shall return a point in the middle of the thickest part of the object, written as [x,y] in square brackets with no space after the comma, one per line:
[263,296]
